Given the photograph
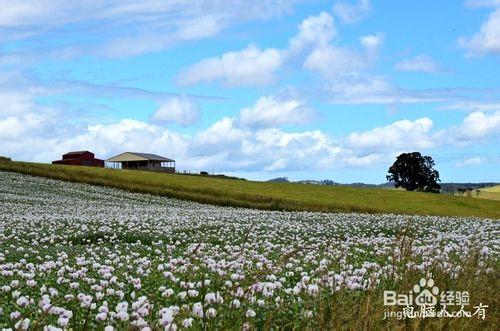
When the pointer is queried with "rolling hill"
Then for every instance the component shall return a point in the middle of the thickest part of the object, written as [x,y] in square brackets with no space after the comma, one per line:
[265,195]
[492,189]
[490,193]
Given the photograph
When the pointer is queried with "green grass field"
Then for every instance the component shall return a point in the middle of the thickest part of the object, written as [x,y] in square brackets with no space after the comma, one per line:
[264,195]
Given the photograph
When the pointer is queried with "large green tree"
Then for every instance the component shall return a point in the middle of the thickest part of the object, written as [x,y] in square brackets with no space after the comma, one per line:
[414,172]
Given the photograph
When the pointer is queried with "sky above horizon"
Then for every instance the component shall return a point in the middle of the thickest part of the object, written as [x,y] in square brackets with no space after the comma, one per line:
[262,89]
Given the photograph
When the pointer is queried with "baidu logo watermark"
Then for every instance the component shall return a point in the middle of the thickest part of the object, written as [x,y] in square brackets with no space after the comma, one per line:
[424,300]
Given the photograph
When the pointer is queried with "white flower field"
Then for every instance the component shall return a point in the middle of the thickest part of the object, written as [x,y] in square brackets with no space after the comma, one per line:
[75,256]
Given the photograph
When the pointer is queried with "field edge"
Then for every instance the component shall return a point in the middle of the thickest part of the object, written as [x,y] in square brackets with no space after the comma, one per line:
[153,183]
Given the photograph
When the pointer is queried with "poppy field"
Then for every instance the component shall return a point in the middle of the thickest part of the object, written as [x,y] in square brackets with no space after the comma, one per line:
[78,257]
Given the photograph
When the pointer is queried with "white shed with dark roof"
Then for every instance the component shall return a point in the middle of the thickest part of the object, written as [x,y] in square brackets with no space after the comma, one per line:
[142,161]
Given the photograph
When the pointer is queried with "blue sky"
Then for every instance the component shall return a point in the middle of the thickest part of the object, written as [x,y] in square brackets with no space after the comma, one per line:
[303,89]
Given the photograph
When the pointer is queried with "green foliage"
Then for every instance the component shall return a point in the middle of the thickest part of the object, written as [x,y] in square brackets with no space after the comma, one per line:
[414,172]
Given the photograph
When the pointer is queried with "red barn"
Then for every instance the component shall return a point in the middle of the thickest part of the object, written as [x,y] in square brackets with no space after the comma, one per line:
[80,158]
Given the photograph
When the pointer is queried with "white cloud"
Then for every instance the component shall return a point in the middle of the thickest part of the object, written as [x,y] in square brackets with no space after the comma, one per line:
[120,47]
[331,61]
[404,134]
[226,145]
[362,89]
[56,13]
[256,66]
[422,63]
[372,42]
[314,31]
[349,13]
[268,111]
[15,127]
[15,103]
[105,140]
[179,110]
[188,30]
[224,130]
[473,161]
[251,66]
[487,40]
[130,135]
[314,40]
[144,26]
[477,125]
[472,106]
[199,28]
[250,142]
[482,3]
[277,165]
[14,12]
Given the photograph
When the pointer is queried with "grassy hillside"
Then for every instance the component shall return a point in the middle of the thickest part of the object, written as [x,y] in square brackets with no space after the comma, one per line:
[264,195]
[492,189]
[490,193]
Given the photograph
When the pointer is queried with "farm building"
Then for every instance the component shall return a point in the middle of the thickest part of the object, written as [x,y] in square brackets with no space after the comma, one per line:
[80,158]
[142,161]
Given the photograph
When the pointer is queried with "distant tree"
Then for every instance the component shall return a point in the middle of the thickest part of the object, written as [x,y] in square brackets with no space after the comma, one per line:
[414,172]
[279,180]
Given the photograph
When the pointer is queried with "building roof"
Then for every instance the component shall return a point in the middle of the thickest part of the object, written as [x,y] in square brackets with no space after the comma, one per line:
[77,153]
[132,156]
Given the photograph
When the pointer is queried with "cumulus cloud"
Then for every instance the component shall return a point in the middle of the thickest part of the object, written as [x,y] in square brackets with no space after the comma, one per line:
[227,145]
[269,111]
[477,125]
[15,127]
[250,141]
[401,134]
[250,66]
[331,61]
[314,31]
[131,135]
[256,66]
[352,13]
[314,42]
[222,133]
[272,149]
[48,143]
[422,63]
[179,110]
[487,40]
